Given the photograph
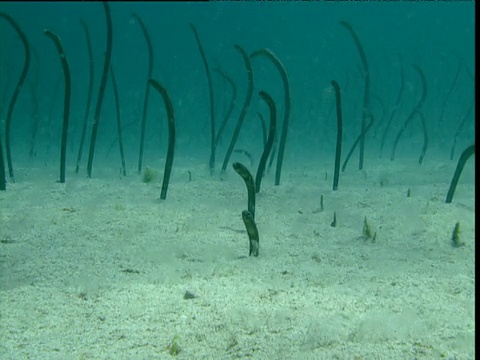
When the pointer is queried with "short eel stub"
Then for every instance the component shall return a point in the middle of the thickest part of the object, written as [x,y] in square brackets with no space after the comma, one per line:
[252,232]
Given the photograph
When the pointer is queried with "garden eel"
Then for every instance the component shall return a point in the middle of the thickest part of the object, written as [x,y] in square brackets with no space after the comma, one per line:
[252,232]
[338,148]
[271,134]
[247,177]
[286,115]
[101,90]
[89,95]
[245,107]
[171,135]
[66,101]
[415,111]
[366,90]
[146,97]
[211,162]
[13,99]
[469,151]
[359,137]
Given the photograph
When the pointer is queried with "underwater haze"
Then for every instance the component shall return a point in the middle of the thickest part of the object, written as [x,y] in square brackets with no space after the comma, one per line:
[126,228]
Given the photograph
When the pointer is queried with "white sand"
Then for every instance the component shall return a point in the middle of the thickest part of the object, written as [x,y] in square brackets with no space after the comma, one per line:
[98,268]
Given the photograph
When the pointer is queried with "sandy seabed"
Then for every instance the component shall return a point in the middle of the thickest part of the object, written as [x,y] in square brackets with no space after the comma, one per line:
[102,269]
